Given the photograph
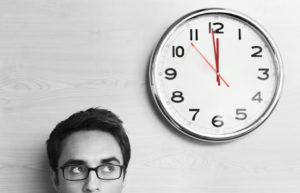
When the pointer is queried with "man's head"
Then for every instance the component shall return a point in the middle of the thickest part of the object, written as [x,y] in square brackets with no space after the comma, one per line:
[89,152]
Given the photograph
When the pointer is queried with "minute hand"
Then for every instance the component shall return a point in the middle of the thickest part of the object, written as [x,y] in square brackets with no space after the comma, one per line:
[216,52]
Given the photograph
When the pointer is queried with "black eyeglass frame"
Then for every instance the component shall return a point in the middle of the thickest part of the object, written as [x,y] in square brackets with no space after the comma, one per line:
[92,169]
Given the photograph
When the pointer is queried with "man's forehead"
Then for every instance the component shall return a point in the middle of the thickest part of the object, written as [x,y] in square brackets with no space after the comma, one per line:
[92,147]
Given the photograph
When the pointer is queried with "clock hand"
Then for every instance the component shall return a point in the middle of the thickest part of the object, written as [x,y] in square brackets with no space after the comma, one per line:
[218,54]
[208,63]
[216,51]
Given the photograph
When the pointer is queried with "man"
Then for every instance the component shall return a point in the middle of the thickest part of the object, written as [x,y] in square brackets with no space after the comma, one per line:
[89,152]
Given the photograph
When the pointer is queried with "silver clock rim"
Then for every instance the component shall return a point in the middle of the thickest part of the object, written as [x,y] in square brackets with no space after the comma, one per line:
[235,134]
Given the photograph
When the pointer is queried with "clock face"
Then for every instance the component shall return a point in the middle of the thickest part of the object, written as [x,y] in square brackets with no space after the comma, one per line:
[215,75]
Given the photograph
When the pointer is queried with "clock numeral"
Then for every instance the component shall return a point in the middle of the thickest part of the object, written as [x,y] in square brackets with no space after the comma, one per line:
[217,122]
[258,51]
[177,97]
[240,34]
[194,34]
[241,114]
[195,114]
[170,73]
[177,51]
[257,97]
[265,72]
[218,29]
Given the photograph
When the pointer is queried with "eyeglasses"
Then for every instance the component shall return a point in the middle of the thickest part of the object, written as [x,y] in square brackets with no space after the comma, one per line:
[81,172]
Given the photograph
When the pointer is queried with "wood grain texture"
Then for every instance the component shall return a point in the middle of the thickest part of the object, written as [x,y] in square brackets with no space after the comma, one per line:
[61,56]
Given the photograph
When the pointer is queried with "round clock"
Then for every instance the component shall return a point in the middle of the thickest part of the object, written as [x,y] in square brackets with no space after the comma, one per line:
[216,74]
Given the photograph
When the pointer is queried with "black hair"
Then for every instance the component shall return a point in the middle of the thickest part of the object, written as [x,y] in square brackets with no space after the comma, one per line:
[89,120]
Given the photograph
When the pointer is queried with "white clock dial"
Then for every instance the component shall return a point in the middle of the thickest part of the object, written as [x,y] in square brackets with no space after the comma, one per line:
[215,74]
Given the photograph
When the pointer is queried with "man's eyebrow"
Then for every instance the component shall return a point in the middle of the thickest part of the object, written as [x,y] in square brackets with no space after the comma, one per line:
[82,162]
[110,159]
[74,162]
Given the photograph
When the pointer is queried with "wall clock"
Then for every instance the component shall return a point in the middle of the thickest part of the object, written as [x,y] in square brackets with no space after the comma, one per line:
[215,74]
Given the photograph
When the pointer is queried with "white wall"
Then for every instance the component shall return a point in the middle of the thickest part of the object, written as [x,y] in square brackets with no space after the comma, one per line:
[61,56]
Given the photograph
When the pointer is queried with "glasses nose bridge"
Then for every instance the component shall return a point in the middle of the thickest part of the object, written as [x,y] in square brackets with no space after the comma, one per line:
[92,169]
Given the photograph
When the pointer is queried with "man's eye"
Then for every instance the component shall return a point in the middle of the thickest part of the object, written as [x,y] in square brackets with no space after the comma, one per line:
[77,169]
[108,169]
